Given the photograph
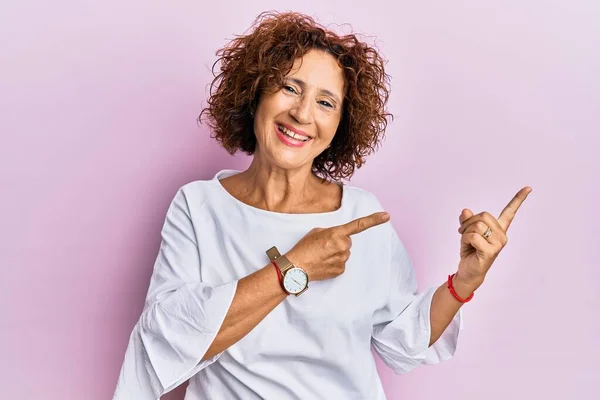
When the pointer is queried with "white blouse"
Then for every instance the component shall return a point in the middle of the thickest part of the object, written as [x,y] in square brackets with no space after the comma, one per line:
[315,346]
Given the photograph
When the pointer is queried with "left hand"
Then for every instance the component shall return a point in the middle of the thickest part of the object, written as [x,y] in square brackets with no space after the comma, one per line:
[478,253]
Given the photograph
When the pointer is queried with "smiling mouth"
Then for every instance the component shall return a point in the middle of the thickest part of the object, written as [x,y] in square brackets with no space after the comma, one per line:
[292,135]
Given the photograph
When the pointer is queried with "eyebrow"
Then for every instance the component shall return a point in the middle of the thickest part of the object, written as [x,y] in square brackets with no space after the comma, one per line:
[301,83]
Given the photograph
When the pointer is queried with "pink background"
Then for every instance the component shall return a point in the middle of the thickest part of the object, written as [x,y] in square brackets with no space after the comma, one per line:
[98,103]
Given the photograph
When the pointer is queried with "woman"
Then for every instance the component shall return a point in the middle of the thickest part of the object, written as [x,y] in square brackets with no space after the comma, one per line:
[309,106]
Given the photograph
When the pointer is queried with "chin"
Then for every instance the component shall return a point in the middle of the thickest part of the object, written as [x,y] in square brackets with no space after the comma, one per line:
[290,161]
[289,164]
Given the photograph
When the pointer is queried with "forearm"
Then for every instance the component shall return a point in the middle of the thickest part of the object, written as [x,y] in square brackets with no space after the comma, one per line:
[256,296]
[444,306]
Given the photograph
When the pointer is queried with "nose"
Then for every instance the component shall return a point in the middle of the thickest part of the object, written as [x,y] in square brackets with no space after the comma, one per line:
[302,110]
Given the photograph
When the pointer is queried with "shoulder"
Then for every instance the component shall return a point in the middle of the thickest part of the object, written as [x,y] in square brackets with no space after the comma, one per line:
[361,203]
[194,195]
[365,203]
[362,200]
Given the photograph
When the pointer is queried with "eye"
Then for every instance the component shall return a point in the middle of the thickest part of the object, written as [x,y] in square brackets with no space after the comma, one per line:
[326,104]
[289,88]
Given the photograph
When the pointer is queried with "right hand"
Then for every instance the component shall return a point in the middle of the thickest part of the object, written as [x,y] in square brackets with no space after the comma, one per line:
[323,252]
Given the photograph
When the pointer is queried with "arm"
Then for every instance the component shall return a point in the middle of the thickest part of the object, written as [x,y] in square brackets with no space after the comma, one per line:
[256,296]
[186,330]
[415,328]
[186,322]
[444,307]
[477,253]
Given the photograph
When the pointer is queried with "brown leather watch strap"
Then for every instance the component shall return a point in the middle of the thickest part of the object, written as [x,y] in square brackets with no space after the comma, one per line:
[282,261]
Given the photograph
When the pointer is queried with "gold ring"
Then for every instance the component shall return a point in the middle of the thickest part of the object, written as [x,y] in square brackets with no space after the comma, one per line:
[487,233]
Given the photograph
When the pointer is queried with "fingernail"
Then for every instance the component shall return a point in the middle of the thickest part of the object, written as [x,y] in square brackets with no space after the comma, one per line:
[385,216]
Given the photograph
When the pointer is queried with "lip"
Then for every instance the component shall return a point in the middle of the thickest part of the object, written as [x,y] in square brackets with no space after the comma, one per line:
[291,128]
[289,141]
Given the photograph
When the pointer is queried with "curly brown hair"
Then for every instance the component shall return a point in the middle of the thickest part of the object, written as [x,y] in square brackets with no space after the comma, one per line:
[260,60]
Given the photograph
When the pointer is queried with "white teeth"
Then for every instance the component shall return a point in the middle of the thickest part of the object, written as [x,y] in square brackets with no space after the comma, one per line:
[291,134]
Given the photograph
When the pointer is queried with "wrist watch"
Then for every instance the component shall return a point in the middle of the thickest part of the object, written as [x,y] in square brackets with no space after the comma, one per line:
[294,280]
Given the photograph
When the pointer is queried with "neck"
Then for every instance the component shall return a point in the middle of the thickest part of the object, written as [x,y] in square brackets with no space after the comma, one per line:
[278,189]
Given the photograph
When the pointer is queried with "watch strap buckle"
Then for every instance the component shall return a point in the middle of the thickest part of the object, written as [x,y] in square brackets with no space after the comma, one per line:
[273,253]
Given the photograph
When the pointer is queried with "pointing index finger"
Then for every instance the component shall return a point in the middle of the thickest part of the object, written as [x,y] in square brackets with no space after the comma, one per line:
[362,224]
[508,214]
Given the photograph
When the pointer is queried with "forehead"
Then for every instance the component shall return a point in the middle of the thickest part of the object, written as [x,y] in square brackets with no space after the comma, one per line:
[320,69]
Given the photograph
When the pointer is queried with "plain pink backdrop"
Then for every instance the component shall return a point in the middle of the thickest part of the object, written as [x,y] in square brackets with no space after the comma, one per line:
[98,102]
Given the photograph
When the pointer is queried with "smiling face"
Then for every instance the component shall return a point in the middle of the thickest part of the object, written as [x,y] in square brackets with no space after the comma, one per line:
[295,123]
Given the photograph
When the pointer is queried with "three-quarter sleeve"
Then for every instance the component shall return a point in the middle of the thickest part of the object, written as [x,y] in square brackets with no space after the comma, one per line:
[181,317]
[402,328]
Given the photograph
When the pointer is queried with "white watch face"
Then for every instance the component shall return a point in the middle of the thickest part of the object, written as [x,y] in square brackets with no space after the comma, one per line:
[295,280]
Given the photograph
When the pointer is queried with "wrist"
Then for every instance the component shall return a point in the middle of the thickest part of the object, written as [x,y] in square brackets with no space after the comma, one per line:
[290,255]
[292,278]
[465,287]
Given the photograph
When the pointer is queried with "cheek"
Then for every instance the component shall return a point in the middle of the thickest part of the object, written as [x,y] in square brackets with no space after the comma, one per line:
[261,126]
[330,127]
[268,109]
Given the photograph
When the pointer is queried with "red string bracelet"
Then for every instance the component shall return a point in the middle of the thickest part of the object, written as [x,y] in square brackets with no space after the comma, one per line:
[456,296]
[279,275]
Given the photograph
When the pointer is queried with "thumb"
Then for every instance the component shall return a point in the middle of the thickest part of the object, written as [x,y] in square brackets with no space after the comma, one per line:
[465,215]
